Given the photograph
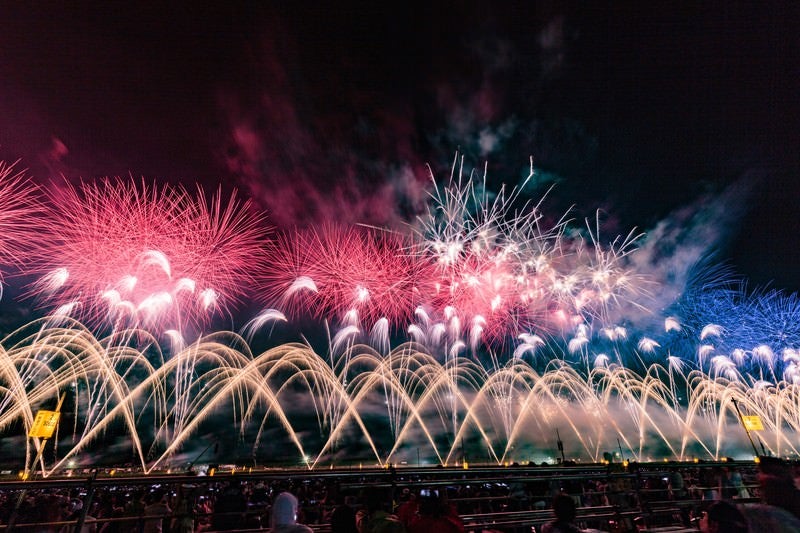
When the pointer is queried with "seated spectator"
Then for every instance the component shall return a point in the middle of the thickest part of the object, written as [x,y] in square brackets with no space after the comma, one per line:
[156,512]
[407,510]
[375,519]
[565,511]
[676,486]
[777,485]
[434,514]
[284,515]
[230,508]
[343,519]
[723,517]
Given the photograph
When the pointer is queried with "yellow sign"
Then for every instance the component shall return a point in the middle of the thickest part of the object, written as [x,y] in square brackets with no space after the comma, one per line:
[752,423]
[44,425]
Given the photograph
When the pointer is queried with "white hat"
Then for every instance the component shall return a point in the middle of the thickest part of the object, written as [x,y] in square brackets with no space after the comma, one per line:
[284,510]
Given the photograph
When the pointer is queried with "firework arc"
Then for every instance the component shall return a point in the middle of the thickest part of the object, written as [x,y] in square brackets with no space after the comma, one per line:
[437,406]
[481,326]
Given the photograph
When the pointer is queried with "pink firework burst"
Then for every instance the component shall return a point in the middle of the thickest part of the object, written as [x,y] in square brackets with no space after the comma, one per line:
[485,296]
[20,211]
[133,254]
[334,271]
[505,269]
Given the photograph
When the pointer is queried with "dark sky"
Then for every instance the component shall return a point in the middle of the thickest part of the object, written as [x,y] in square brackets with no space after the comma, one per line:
[639,111]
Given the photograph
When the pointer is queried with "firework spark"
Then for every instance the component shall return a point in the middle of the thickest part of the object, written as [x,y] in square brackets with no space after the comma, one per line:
[20,209]
[483,267]
[479,272]
[140,254]
[505,271]
[333,271]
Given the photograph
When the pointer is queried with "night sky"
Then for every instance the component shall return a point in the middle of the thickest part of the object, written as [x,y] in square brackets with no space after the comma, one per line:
[335,111]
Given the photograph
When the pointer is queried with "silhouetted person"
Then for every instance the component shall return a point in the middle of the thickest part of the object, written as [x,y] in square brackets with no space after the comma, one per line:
[374,518]
[434,514]
[343,519]
[156,512]
[777,485]
[407,511]
[565,511]
[778,513]
[183,521]
[723,517]
[229,509]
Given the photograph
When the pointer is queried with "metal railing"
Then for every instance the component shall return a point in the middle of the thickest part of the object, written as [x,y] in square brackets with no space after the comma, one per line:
[643,504]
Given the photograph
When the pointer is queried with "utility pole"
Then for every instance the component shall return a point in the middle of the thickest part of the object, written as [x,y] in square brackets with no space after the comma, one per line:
[741,419]
[43,425]
[215,444]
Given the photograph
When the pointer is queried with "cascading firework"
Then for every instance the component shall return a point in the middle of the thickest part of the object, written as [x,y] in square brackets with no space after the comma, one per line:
[122,400]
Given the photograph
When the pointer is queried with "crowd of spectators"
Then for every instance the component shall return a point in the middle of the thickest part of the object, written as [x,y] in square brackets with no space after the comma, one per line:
[295,505]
